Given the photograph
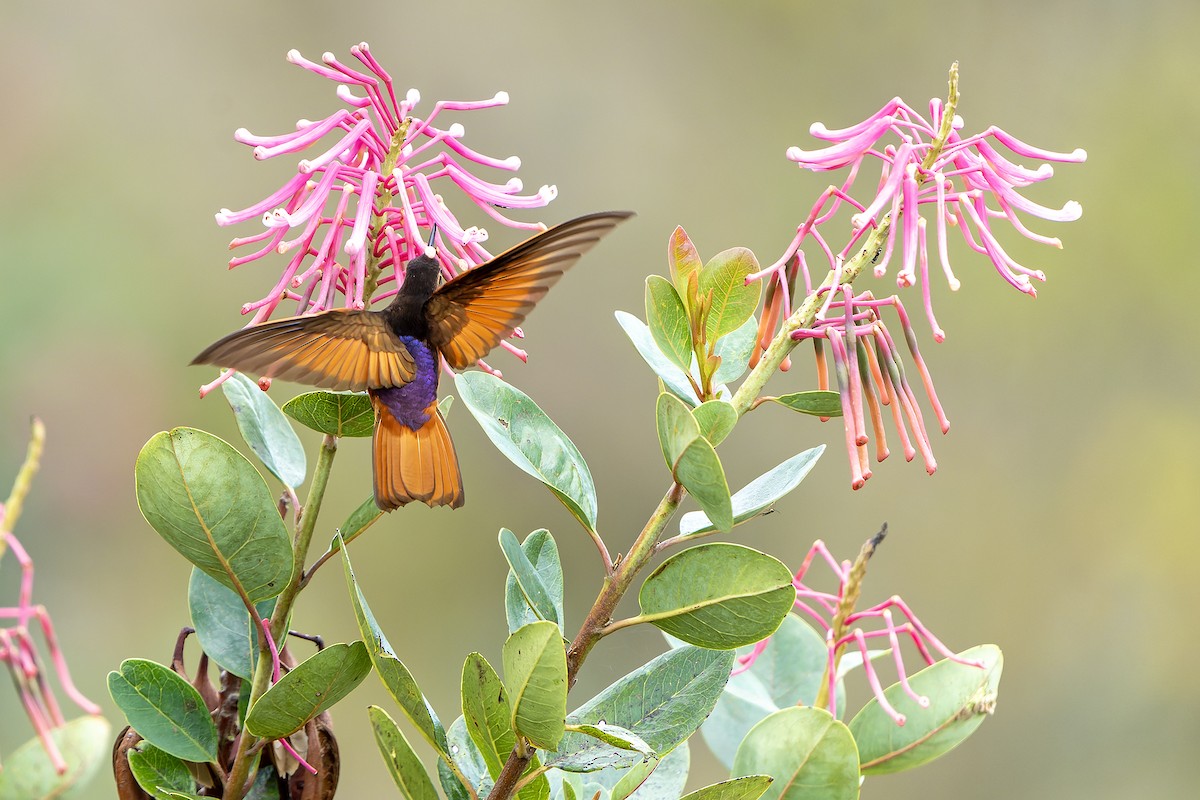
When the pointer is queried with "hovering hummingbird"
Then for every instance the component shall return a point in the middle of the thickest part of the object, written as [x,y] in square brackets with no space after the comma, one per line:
[394,354]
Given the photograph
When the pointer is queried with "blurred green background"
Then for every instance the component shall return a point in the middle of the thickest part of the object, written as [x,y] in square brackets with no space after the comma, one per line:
[1061,524]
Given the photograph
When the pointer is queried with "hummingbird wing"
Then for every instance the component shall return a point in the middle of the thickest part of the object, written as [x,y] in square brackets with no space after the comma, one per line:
[470,314]
[341,349]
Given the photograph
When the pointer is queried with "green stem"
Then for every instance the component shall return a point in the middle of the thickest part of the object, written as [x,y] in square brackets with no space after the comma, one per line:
[594,626]
[16,498]
[241,774]
[804,316]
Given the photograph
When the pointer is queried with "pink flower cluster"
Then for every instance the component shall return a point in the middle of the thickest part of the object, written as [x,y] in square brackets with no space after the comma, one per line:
[354,213]
[872,624]
[930,166]
[19,653]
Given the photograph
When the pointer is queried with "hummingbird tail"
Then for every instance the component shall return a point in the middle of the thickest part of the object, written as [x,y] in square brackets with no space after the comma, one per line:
[414,465]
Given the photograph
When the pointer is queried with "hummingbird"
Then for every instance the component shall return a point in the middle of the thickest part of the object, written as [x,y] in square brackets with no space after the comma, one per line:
[395,354]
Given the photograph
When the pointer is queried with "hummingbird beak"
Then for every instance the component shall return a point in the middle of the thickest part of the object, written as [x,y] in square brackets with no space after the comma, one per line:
[430,250]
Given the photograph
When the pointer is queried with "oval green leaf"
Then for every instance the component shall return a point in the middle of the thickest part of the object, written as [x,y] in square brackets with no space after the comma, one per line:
[806,751]
[682,258]
[673,377]
[165,709]
[961,697]
[207,501]
[402,762]
[615,736]
[719,596]
[787,673]
[662,702]
[222,625]
[733,301]
[396,678]
[156,770]
[542,552]
[486,712]
[815,403]
[535,675]
[529,582]
[28,774]
[716,419]
[668,322]
[759,495]
[312,686]
[750,787]
[333,413]
[266,430]
[677,428]
[699,471]
[530,439]
[469,760]
[735,350]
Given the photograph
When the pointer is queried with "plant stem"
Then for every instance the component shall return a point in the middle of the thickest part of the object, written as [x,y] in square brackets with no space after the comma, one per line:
[241,774]
[593,627]
[16,499]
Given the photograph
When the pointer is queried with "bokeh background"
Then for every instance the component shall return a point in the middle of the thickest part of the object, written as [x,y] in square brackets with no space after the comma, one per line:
[1061,524]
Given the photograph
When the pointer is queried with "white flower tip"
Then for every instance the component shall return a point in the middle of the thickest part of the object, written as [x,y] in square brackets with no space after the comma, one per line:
[858,221]
[794,154]
[222,216]
[501,98]
[241,134]
[1079,154]
[923,701]
[955,284]
[328,57]
[294,56]
[1072,211]
[512,162]
[957,123]
[413,97]
[260,153]
[361,47]
[431,252]
[456,131]
[513,185]
[548,193]
[304,166]
[818,129]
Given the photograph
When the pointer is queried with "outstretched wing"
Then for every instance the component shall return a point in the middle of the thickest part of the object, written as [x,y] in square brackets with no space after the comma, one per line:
[342,349]
[470,314]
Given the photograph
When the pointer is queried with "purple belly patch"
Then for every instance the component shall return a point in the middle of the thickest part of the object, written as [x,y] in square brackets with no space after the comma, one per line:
[408,402]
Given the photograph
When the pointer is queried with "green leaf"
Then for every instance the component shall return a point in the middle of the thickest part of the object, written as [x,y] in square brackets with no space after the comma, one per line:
[634,778]
[154,770]
[735,350]
[165,709]
[719,596]
[668,322]
[266,430]
[716,419]
[682,259]
[28,774]
[961,696]
[542,552]
[673,377]
[333,413]
[759,495]
[806,751]
[699,470]
[750,787]
[662,702]
[170,794]
[486,712]
[357,523]
[312,686]
[616,736]
[535,675]
[207,501]
[815,403]
[677,428]
[468,759]
[395,676]
[403,764]
[530,439]
[225,630]
[787,673]
[529,582]
[665,782]
[733,301]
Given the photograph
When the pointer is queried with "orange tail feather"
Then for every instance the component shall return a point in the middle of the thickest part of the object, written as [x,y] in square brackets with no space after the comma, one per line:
[414,465]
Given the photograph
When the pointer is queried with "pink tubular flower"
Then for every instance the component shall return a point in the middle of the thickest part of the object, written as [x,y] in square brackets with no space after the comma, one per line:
[964,182]
[354,213]
[858,628]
